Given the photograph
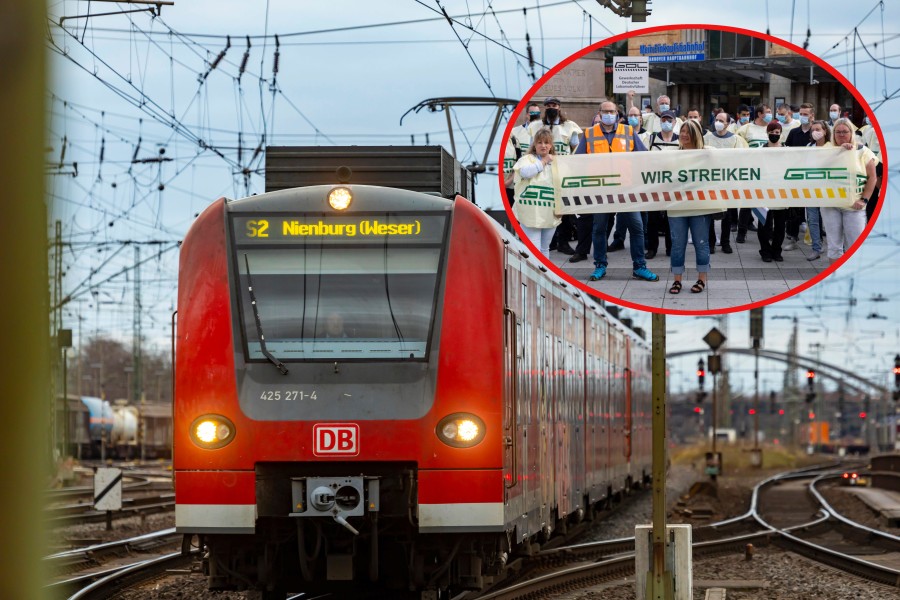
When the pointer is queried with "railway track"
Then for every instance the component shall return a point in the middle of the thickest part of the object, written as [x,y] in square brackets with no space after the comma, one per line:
[829,538]
[812,529]
[92,557]
[808,519]
[74,514]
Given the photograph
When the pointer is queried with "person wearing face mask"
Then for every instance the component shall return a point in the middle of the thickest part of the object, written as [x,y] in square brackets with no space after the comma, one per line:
[785,115]
[799,136]
[657,220]
[653,123]
[771,234]
[696,221]
[521,132]
[754,132]
[742,117]
[666,138]
[612,136]
[796,138]
[565,138]
[845,225]
[820,136]
[720,138]
[834,113]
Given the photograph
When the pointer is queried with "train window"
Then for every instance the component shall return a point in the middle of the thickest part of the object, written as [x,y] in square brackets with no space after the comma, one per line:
[341,301]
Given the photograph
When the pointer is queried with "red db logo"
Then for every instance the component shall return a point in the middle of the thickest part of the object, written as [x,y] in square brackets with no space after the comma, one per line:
[336,438]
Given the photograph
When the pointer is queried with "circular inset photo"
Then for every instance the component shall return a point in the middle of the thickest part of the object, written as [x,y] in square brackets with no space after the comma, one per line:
[693,169]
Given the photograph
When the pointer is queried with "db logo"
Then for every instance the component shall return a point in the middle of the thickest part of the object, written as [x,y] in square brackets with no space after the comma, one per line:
[336,438]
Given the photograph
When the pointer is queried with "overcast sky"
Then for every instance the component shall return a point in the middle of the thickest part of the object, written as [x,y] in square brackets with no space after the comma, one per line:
[345,77]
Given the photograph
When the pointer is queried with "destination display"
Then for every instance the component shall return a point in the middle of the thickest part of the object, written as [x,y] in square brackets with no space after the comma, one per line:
[402,228]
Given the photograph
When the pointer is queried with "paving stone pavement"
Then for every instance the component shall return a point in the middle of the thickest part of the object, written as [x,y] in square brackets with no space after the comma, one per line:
[736,279]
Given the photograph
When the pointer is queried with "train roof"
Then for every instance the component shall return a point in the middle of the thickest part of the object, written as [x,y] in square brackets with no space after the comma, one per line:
[367,198]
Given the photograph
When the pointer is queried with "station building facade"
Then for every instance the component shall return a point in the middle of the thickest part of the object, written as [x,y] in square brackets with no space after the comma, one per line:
[702,69]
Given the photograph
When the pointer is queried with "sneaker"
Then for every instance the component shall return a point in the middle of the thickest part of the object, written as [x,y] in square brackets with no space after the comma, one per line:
[650,255]
[616,245]
[578,257]
[741,237]
[645,274]
[790,245]
[565,249]
[727,249]
[598,274]
[815,256]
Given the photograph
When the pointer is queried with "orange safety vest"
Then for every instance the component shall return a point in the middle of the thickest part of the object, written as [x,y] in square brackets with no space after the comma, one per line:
[595,140]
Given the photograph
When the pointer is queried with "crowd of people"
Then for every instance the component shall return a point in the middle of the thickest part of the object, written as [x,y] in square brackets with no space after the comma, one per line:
[534,144]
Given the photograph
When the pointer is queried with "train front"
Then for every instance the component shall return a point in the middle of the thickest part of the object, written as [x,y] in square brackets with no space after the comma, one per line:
[338,405]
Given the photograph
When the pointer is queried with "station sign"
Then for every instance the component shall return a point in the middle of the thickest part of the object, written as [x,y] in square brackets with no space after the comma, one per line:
[675,52]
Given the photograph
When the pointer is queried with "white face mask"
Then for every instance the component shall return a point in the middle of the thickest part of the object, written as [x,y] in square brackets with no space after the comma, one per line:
[720,125]
[834,115]
[804,119]
[667,126]
[817,135]
[663,108]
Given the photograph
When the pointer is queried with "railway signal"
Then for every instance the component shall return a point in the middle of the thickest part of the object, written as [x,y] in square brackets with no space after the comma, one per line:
[811,385]
[701,374]
[896,394]
[772,397]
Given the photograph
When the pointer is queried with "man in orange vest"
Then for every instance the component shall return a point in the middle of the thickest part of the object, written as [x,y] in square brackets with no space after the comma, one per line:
[611,136]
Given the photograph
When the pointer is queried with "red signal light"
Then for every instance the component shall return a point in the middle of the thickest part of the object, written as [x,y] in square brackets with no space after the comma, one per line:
[846,475]
[752,411]
[698,410]
[862,415]
[810,374]
[781,411]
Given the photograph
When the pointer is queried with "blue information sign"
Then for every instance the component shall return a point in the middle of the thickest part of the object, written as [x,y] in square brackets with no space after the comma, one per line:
[666,58]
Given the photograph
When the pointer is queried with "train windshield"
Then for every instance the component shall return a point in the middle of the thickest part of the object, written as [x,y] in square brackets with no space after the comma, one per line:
[360,287]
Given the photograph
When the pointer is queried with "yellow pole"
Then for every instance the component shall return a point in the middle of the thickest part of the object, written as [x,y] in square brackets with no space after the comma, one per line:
[660,581]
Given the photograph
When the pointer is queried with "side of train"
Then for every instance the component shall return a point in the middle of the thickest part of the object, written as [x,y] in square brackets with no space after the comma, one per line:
[98,429]
[469,405]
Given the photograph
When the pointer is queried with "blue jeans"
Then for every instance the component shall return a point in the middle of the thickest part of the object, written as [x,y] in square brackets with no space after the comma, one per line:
[814,222]
[621,225]
[699,228]
[632,221]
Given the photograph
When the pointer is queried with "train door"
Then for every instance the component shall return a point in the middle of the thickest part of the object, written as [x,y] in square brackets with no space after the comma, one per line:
[545,393]
[591,422]
[628,424]
[560,414]
[576,376]
[511,389]
[603,393]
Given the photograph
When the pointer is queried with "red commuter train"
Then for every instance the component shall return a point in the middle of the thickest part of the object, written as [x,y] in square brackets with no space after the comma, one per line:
[380,385]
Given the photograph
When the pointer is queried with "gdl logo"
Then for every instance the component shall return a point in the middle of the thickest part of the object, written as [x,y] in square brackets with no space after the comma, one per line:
[591,181]
[813,174]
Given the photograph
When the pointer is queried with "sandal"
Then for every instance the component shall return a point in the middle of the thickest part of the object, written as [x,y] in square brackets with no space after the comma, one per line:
[698,287]
[676,288]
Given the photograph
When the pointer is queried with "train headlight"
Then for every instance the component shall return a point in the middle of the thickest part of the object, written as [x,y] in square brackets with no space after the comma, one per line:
[460,430]
[340,198]
[212,431]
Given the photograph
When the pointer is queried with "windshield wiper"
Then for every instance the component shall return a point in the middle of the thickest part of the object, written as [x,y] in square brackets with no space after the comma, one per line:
[259,331]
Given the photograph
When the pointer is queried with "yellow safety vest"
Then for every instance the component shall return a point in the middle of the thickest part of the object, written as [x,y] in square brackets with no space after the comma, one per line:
[622,141]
